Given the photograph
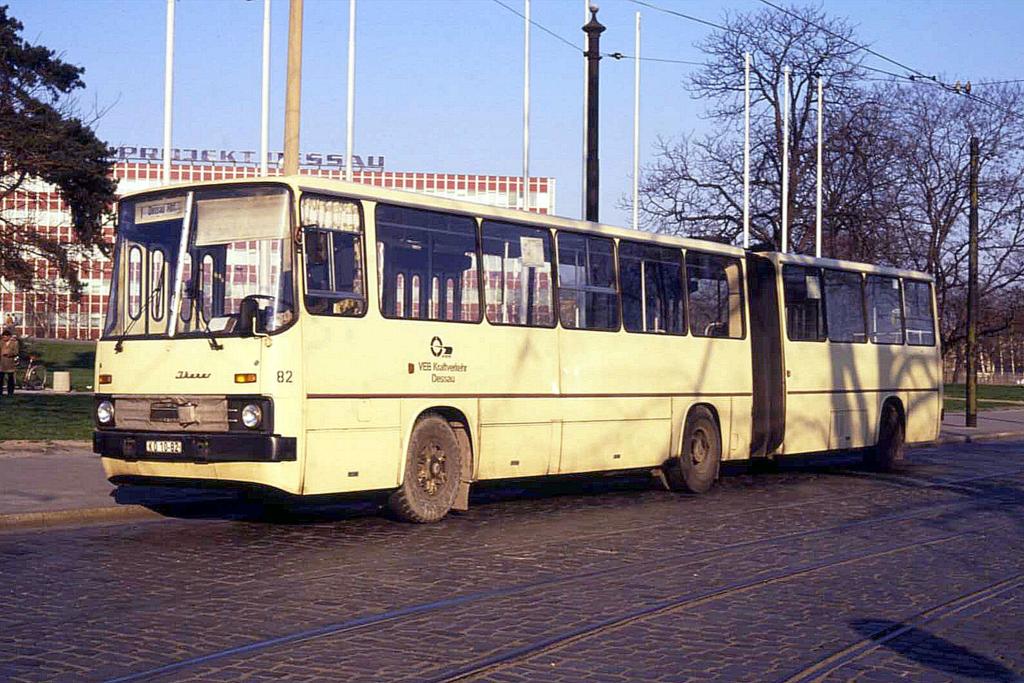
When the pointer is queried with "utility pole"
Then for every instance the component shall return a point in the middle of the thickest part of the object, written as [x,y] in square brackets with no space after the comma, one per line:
[265,91]
[971,418]
[294,89]
[593,29]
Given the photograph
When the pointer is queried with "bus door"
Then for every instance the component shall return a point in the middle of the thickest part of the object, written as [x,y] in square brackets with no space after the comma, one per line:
[768,423]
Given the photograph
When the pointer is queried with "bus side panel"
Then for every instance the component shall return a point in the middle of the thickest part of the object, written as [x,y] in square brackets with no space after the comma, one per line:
[516,373]
[518,437]
[736,441]
[352,445]
[923,398]
[614,433]
[628,394]
[923,415]
[834,393]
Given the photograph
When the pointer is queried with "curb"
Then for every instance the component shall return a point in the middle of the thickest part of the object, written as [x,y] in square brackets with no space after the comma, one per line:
[23,520]
[976,438]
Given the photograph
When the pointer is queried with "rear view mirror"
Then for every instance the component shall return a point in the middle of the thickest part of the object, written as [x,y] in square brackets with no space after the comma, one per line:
[250,322]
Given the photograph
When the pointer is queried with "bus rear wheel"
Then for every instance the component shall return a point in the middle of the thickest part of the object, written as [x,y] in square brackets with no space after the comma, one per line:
[696,469]
[433,467]
[888,452]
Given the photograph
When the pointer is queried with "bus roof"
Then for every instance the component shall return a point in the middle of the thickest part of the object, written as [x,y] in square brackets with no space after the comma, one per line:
[840,264]
[427,201]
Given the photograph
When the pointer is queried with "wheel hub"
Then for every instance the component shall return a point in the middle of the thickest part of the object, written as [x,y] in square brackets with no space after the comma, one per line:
[699,447]
[430,471]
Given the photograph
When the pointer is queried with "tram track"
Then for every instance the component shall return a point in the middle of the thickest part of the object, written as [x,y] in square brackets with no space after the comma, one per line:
[822,668]
[541,646]
[673,561]
[921,484]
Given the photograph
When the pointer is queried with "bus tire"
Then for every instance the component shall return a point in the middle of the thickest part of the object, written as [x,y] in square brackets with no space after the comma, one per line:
[433,471]
[888,452]
[696,469]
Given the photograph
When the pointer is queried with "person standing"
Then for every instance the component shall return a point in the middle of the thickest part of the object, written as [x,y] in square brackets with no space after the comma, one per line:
[10,347]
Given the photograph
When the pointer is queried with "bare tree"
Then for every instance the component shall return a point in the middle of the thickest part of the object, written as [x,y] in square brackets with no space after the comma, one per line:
[928,224]
[695,185]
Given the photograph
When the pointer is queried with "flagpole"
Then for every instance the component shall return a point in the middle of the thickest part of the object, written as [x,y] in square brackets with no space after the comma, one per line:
[526,105]
[821,117]
[785,162]
[583,148]
[168,90]
[350,134]
[746,150]
[265,95]
[636,128]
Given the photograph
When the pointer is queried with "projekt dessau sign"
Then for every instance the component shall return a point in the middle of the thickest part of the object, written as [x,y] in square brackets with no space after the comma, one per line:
[232,156]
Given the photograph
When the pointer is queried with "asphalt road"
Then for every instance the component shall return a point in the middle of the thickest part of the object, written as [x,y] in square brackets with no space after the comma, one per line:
[814,572]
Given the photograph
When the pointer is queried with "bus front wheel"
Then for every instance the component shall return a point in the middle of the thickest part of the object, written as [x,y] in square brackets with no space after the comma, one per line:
[433,469]
[697,467]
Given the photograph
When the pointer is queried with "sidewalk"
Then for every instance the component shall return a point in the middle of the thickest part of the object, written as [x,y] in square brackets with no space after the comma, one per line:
[992,424]
[62,482]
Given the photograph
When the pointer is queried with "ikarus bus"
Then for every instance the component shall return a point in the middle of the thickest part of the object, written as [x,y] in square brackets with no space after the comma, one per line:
[317,336]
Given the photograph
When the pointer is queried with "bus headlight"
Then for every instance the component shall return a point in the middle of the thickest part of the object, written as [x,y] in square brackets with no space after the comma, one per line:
[252,415]
[105,413]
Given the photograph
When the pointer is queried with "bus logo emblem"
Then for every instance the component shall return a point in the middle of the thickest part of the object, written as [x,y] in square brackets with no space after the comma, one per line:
[438,348]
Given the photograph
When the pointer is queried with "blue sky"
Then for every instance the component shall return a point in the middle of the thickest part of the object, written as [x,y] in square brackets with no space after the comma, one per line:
[439,82]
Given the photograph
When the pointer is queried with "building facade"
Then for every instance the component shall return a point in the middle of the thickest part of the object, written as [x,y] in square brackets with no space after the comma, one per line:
[50,311]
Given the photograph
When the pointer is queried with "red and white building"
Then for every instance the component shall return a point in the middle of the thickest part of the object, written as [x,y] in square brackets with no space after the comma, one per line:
[49,311]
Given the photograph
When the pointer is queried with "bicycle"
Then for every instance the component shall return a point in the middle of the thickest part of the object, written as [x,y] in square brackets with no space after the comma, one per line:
[32,377]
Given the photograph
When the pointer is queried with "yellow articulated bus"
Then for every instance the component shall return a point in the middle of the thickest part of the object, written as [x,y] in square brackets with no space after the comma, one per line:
[318,337]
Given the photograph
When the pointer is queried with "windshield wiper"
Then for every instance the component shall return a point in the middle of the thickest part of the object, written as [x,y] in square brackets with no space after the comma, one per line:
[119,346]
[210,336]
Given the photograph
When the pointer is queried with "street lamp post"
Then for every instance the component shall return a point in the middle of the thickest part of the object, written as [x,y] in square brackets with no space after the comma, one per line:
[593,29]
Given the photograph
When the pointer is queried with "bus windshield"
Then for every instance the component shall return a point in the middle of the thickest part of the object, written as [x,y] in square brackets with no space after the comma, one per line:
[185,261]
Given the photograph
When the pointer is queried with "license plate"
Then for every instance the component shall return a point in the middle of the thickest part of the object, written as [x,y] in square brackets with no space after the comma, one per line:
[163,447]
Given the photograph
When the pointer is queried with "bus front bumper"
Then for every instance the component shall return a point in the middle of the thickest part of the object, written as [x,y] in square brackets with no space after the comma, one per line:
[197,447]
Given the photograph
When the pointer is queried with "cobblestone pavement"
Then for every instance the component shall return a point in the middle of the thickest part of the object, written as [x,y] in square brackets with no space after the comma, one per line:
[814,572]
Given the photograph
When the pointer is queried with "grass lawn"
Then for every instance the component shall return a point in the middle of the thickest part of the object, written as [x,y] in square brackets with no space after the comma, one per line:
[41,417]
[74,356]
[990,397]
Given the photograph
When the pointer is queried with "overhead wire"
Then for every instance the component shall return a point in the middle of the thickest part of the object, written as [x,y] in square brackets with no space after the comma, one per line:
[1007,82]
[843,38]
[543,28]
[620,55]
[649,5]
[613,55]
[915,76]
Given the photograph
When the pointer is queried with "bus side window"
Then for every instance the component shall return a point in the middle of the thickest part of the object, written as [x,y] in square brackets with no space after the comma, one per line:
[157,284]
[206,272]
[186,290]
[587,295]
[333,246]
[805,309]
[135,282]
[517,274]
[652,289]
[885,310]
[424,245]
[715,295]
[917,297]
[844,306]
